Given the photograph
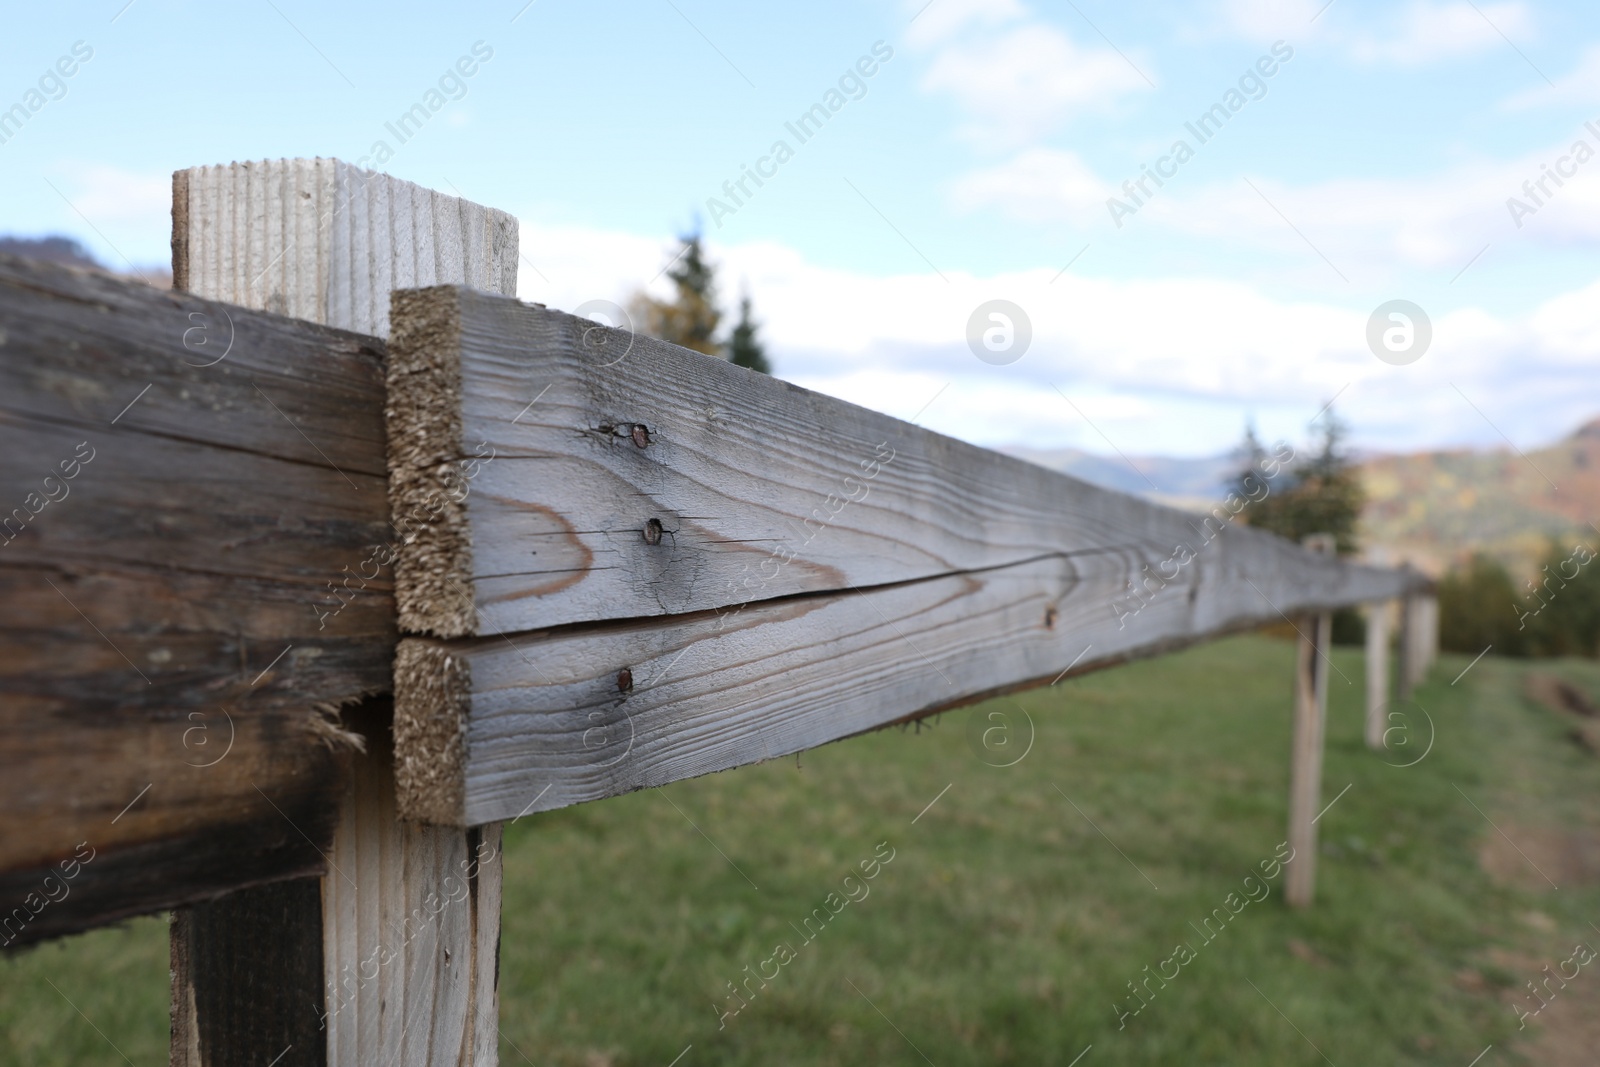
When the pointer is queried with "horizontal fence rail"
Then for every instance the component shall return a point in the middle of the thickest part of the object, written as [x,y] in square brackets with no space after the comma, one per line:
[634,564]
[172,523]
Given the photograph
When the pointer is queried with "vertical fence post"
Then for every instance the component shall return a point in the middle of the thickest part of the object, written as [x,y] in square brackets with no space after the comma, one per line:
[1419,635]
[1377,670]
[1305,756]
[403,931]
[1430,633]
[1406,668]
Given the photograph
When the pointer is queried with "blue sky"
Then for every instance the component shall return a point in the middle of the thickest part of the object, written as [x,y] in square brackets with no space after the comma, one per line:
[974,164]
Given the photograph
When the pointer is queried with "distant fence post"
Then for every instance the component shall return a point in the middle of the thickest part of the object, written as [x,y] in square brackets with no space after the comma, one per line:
[1305,766]
[1377,670]
[1430,632]
[1408,650]
[406,966]
[1419,632]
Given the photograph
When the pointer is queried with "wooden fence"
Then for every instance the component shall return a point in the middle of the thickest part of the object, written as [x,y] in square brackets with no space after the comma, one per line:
[359,557]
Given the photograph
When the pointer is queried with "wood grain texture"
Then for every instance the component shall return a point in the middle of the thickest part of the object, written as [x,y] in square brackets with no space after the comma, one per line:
[247,979]
[170,525]
[411,927]
[491,728]
[322,240]
[578,437]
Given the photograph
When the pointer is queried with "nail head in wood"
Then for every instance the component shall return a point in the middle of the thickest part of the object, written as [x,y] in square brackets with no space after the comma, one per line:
[641,435]
[652,532]
[625,680]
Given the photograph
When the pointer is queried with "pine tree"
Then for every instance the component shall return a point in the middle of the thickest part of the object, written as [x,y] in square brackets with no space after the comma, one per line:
[1322,494]
[691,318]
[744,347]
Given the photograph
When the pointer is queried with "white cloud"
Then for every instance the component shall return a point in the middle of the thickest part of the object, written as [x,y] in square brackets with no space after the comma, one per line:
[1167,365]
[1265,21]
[1427,32]
[565,266]
[1014,76]
[1027,82]
[1569,326]
[1419,33]
[1437,221]
[1038,184]
[1579,86]
[933,21]
[111,195]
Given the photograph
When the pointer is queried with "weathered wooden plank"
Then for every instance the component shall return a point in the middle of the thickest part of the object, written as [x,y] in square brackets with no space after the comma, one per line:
[615,478]
[490,728]
[322,240]
[174,518]
[620,477]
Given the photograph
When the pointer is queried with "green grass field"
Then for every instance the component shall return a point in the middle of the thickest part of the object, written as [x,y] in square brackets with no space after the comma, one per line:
[1006,928]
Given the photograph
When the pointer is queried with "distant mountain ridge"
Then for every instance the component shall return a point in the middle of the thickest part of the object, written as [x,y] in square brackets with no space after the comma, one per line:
[69,252]
[1433,509]
[1438,508]
[1192,483]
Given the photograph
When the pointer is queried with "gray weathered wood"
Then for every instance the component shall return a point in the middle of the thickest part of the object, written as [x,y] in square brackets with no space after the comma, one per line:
[410,930]
[1314,646]
[1415,639]
[1430,634]
[1377,672]
[620,477]
[489,728]
[325,241]
[322,240]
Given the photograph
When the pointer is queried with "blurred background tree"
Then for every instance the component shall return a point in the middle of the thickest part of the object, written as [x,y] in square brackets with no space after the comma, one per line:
[1568,623]
[744,347]
[1553,615]
[1477,608]
[1321,493]
[691,318]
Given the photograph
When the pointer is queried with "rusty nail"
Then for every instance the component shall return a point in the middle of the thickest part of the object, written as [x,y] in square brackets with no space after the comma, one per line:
[641,436]
[1050,618]
[624,679]
[652,532]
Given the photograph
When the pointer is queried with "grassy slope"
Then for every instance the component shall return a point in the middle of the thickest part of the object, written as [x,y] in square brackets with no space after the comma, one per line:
[1006,925]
